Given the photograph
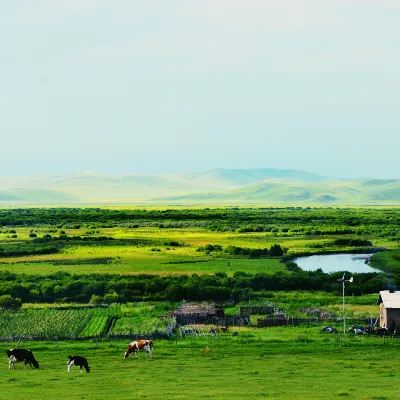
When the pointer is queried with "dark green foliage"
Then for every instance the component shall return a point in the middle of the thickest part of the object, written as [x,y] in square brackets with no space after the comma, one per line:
[209,248]
[279,220]
[8,302]
[82,261]
[26,248]
[63,286]
[352,242]
[274,251]
[174,243]
[292,266]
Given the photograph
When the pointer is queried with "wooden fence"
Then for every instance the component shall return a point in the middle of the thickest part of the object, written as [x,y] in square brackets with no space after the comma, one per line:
[200,319]
[264,323]
[130,337]
[254,310]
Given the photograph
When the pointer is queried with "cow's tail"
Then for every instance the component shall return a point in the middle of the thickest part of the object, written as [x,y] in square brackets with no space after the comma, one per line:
[34,362]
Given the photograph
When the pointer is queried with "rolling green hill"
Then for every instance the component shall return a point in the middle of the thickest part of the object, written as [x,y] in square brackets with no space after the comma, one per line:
[266,185]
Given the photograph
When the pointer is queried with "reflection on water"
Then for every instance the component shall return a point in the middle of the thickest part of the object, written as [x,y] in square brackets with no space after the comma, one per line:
[336,263]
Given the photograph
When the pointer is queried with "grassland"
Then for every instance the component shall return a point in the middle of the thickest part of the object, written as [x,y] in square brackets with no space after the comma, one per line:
[146,250]
[155,257]
[276,363]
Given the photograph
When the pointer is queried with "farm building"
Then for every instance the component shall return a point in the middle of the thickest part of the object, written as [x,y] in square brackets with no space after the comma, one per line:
[206,313]
[200,313]
[389,311]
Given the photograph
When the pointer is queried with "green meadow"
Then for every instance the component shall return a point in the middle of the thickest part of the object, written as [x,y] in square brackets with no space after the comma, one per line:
[275,363]
[147,250]
[154,256]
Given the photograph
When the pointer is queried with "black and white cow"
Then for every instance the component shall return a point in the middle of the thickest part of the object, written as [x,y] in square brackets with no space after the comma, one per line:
[79,362]
[21,355]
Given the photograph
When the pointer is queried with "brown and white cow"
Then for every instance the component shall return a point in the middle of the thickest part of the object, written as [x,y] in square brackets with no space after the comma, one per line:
[139,345]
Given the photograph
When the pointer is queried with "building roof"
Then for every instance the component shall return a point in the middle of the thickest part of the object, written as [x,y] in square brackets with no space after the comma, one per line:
[389,299]
[197,308]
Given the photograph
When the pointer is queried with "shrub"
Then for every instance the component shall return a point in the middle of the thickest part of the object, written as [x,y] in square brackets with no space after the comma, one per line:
[174,243]
[8,302]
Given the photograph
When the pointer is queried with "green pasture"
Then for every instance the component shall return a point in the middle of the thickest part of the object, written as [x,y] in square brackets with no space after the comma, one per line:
[158,257]
[150,251]
[275,363]
[149,265]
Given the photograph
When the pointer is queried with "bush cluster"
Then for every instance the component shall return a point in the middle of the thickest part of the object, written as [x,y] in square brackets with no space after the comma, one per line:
[65,287]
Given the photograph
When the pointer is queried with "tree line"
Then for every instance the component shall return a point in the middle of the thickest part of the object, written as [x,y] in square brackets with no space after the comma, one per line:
[66,287]
[282,220]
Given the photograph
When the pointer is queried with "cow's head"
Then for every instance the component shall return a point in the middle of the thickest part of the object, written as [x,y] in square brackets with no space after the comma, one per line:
[132,348]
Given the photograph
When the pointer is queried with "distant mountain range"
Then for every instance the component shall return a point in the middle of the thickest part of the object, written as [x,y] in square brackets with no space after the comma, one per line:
[219,186]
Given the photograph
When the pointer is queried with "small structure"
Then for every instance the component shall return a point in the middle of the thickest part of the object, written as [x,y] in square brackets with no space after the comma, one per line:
[206,313]
[389,312]
[318,313]
[254,310]
[197,313]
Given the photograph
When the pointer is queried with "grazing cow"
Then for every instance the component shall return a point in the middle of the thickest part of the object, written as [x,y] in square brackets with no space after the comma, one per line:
[223,328]
[79,362]
[21,355]
[369,329]
[380,331]
[328,329]
[140,345]
[357,330]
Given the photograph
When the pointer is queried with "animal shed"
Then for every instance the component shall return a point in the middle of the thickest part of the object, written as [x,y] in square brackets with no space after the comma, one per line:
[193,313]
[389,311]
[206,313]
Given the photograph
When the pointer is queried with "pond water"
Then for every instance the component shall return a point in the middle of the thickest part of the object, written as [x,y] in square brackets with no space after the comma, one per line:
[336,263]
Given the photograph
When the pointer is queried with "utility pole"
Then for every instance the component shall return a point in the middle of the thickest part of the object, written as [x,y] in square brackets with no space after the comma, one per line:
[344,309]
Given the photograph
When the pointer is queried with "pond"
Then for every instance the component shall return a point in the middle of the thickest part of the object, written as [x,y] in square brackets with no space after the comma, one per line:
[355,263]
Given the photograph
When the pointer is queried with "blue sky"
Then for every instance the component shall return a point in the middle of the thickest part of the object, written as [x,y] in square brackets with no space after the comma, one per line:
[163,86]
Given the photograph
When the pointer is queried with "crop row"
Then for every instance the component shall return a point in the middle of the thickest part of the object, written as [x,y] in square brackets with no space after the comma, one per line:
[43,323]
[97,325]
[51,323]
